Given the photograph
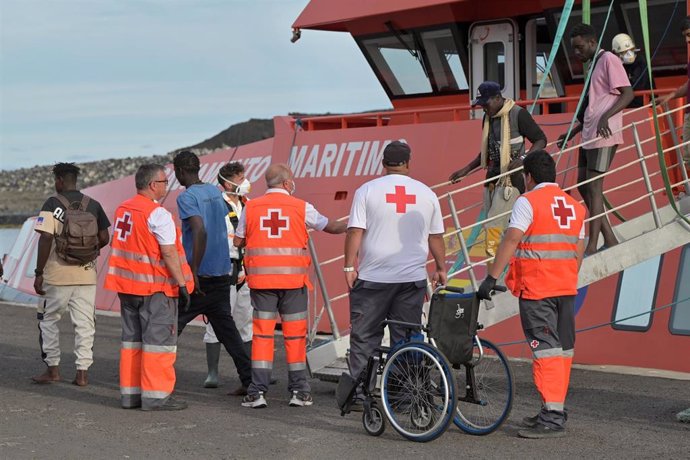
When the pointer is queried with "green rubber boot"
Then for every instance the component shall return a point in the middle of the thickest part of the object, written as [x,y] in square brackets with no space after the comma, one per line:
[212,358]
[684,416]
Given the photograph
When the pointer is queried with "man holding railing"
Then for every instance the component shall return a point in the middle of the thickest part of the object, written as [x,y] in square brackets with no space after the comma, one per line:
[601,125]
[505,127]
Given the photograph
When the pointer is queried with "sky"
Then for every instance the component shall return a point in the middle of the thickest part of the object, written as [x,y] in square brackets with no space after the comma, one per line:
[83,80]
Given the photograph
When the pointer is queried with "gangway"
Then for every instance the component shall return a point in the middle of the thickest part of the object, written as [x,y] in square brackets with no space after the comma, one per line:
[655,229]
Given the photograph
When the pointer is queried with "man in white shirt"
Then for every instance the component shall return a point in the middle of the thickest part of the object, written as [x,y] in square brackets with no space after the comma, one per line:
[395,221]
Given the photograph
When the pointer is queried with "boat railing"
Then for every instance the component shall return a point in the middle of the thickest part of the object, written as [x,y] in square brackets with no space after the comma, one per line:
[432,114]
[457,216]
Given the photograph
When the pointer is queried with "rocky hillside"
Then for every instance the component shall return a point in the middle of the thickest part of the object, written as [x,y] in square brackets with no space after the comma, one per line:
[23,191]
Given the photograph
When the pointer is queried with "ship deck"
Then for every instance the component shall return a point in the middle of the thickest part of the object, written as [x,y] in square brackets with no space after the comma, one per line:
[611,415]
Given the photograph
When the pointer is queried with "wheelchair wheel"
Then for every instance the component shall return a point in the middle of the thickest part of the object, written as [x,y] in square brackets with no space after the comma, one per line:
[418,391]
[374,421]
[487,401]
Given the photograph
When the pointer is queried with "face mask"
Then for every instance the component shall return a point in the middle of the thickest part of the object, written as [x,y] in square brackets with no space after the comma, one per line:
[629,57]
[243,188]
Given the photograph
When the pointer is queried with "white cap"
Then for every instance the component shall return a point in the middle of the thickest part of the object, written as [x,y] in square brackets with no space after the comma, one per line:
[622,43]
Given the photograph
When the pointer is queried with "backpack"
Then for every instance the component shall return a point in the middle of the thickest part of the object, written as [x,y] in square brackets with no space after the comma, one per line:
[77,243]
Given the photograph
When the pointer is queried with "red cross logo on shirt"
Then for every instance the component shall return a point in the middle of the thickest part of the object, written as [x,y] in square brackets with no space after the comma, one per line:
[534,343]
[123,226]
[274,223]
[401,199]
[563,212]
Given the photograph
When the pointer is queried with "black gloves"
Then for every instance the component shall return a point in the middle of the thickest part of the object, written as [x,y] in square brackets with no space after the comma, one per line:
[183,299]
[484,292]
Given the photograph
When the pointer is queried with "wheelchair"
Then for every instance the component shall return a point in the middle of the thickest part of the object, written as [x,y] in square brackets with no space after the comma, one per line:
[419,392]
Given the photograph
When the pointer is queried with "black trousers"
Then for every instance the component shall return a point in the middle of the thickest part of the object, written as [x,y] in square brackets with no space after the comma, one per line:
[215,305]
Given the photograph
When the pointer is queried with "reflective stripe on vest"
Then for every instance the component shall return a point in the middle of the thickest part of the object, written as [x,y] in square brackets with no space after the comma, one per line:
[275,252]
[275,270]
[129,255]
[532,254]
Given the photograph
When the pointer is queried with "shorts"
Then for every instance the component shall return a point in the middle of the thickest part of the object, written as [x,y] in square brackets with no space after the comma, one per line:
[598,159]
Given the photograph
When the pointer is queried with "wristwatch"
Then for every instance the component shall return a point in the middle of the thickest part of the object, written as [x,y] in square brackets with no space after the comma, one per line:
[348,269]
[38,272]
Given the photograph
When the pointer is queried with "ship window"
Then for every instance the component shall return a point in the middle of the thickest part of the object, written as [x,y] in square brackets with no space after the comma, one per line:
[636,295]
[417,62]
[669,53]
[549,89]
[399,63]
[444,60]
[680,312]
[494,62]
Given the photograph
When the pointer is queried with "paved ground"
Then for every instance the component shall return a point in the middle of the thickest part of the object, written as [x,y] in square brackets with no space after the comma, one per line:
[611,416]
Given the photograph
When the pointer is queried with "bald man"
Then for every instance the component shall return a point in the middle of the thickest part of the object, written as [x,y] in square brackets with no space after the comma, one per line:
[273,230]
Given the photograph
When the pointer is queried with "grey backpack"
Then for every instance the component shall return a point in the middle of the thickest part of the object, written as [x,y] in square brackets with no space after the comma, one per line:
[77,243]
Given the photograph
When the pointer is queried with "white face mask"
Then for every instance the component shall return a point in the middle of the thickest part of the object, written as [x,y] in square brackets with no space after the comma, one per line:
[242,189]
[629,57]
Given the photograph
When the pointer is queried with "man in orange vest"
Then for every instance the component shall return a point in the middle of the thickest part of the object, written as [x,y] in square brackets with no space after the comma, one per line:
[273,230]
[148,269]
[544,244]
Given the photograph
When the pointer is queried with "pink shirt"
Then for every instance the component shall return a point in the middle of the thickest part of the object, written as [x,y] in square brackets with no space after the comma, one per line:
[608,75]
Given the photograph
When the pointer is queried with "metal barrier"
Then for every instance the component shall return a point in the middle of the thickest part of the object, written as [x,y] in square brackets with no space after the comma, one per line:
[455,214]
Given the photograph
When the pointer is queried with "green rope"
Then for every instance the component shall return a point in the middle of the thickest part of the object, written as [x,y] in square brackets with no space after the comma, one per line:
[644,19]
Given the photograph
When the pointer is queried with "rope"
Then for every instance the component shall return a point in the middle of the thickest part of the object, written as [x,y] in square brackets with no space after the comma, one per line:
[567,8]
[644,19]
[610,323]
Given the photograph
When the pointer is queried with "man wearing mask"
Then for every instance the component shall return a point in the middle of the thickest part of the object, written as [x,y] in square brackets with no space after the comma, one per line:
[634,65]
[235,189]
[273,228]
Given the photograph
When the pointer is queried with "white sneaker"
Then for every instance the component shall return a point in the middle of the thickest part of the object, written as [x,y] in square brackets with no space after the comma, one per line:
[255,401]
[301,398]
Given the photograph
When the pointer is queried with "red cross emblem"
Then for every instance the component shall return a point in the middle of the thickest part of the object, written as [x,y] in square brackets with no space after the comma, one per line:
[274,223]
[563,212]
[401,199]
[534,343]
[123,226]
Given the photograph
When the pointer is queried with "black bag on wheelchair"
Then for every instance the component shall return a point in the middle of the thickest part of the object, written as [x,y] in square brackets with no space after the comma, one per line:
[453,324]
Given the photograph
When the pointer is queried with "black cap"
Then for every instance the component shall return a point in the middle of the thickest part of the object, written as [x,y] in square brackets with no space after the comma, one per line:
[486,91]
[396,153]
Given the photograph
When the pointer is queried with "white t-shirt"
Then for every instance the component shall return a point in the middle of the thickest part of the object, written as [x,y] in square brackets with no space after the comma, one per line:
[161,224]
[313,218]
[523,214]
[397,214]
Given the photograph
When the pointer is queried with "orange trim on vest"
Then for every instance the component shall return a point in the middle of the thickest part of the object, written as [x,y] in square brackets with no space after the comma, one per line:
[545,261]
[276,254]
[136,265]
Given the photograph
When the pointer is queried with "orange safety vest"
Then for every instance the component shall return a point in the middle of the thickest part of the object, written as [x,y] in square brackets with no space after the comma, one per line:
[545,262]
[276,255]
[136,265]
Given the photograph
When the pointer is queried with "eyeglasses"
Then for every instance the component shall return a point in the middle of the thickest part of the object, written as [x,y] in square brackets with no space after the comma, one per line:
[161,181]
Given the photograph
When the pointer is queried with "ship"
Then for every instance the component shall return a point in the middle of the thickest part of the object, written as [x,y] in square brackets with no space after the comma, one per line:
[429,56]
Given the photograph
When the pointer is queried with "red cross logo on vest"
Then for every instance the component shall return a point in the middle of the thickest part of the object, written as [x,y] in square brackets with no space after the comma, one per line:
[563,212]
[123,226]
[274,223]
[401,199]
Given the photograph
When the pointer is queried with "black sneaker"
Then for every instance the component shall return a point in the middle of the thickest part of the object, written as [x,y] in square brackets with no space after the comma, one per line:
[169,404]
[255,401]
[541,432]
[530,422]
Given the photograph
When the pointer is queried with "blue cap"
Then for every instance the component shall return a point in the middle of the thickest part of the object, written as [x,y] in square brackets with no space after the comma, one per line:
[486,91]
